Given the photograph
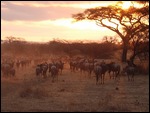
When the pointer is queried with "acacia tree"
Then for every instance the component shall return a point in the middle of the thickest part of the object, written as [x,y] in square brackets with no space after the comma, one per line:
[140,45]
[110,39]
[11,39]
[118,18]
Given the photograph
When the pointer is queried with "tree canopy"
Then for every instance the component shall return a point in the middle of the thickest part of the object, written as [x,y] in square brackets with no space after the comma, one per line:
[125,22]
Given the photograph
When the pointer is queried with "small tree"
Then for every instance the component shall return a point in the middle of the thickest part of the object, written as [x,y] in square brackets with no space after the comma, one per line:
[10,39]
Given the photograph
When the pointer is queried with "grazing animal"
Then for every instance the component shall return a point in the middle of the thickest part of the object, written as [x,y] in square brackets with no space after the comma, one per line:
[115,68]
[104,70]
[89,68]
[12,72]
[73,66]
[7,69]
[50,65]
[60,66]
[38,70]
[41,69]
[98,73]
[54,72]
[44,69]
[130,70]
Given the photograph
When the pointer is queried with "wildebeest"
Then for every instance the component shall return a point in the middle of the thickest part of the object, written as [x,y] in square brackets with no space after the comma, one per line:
[60,66]
[130,71]
[54,72]
[115,68]
[104,70]
[100,70]
[73,65]
[98,73]
[49,67]
[12,71]
[44,69]
[88,67]
[41,69]
[7,69]
[38,70]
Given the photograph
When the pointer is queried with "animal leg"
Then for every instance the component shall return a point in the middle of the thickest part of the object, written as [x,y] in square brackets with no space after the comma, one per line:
[97,77]
[103,78]
[128,78]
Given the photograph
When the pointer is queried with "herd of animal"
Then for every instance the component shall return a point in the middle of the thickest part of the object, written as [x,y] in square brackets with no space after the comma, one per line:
[87,66]
[9,66]
[100,67]
[53,68]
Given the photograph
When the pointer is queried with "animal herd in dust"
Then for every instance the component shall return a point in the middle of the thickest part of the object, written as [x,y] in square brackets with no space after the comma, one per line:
[53,68]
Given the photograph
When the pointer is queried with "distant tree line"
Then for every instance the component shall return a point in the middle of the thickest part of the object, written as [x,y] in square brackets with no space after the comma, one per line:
[18,47]
[94,50]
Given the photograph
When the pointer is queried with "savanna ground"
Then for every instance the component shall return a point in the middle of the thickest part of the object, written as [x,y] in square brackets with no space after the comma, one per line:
[73,92]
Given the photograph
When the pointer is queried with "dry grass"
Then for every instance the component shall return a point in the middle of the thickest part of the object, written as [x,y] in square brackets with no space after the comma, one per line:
[74,92]
[26,92]
[29,92]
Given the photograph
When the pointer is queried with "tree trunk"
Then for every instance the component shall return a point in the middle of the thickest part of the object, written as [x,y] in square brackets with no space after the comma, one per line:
[132,59]
[124,52]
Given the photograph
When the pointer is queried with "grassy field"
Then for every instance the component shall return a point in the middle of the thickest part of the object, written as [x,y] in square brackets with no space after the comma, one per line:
[73,92]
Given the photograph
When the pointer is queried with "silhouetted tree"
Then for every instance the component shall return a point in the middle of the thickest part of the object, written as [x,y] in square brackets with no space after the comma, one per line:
[140,45]
[130,19]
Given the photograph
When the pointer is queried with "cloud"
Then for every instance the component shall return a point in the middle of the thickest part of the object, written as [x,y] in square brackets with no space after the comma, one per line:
[16,11]
[45,20]
[44,10]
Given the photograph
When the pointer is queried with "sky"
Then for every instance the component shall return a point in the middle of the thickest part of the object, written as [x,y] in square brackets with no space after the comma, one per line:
[43,21]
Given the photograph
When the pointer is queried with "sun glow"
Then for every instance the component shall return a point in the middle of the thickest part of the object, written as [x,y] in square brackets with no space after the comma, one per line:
[126,5]
[55,22]
[76,25]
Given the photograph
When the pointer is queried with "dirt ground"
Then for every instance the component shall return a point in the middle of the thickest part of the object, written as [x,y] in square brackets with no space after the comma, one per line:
[73,92]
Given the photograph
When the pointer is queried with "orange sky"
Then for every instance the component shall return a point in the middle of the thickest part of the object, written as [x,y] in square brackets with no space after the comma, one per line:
[42,21]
